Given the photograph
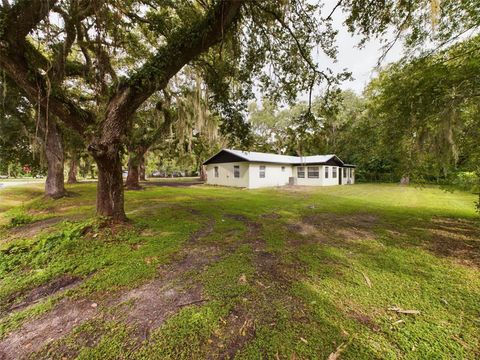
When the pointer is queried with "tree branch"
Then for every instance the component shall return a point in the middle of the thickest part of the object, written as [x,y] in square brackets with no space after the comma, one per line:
[22,17]
[182,47]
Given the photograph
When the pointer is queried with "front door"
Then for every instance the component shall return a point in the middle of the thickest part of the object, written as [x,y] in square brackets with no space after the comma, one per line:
[340,173]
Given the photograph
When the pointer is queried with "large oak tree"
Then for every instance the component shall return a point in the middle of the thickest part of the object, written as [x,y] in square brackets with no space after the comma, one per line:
[92,64]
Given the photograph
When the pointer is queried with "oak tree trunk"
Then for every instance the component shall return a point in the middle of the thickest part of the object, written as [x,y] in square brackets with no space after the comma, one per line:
[54,185]
[134,163]
[142,169]
[132,182]
[203,173]
[110,185]
[405,180]
[72,172]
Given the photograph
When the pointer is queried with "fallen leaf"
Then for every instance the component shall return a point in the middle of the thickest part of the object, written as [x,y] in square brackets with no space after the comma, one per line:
[335,355]
[304,340]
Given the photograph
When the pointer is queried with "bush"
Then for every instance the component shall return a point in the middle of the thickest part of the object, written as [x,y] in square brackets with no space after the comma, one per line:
[467,181]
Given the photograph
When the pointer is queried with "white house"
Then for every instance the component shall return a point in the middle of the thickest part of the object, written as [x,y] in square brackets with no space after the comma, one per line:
[252,170]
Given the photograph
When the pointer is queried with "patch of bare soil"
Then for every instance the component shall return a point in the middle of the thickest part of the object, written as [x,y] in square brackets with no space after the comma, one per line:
[203,232]
[155,302]
[455,238]
[238,328]
[365,320]
[37,333]
[32,229]
[35,295]
[254,229]
[330,227]
[146,307]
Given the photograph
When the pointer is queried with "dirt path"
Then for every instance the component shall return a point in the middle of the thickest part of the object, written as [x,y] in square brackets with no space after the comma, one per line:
[145,308]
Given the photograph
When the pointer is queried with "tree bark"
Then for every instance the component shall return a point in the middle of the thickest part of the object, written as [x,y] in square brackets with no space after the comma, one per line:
[54,185]
[72,172]
[142,169]
[134,163]
[203,173]
[110,185]
[405,180]
[132,182]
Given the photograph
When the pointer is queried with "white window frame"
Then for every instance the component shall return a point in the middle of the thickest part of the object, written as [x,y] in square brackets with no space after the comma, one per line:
[312,174]
[262,171]
[215,171]
[326,172]
[283,168]
[345,172]
[236,171]
[301,170]
[334,172]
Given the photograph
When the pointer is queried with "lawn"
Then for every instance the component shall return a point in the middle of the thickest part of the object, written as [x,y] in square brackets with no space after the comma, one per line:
[356,272]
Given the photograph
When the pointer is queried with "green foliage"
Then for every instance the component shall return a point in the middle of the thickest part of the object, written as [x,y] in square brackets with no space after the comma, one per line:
[18,148]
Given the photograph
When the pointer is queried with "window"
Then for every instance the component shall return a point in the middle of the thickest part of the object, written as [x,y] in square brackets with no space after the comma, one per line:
[216,171]
[313,172]
[344,172]
[351,172]
[326,172]
[236,171]
[334,172]
[283,168]
[301,172]
[262,172]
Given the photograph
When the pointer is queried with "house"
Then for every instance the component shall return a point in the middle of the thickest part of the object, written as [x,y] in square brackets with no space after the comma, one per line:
[252,170]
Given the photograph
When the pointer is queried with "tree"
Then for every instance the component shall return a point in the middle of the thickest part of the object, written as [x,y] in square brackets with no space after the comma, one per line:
[153,124]
[85,50]
[424,109]
[18,145]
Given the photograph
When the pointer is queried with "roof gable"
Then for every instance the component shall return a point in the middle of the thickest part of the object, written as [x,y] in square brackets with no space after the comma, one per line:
[224,156]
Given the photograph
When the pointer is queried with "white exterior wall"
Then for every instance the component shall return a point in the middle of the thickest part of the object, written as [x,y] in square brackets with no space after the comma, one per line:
[225,174]
[274,176]
[307,181]
[331,180]
[321,181]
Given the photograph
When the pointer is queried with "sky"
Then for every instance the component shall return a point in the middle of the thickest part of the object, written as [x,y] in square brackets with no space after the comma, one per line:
[361,62]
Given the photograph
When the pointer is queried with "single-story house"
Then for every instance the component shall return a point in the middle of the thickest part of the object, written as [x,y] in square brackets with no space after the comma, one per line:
[252,170]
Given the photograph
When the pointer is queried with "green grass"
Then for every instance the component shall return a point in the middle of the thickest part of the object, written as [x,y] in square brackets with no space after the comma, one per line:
[289,279]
